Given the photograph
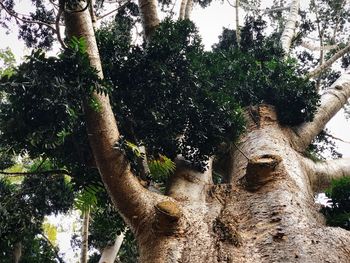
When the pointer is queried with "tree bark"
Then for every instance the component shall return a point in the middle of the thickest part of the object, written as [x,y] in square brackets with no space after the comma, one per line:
[85,237]
[149,17]
[289,29]
[17,252]
[266,213]
[332,101]
[135,203]
[238,34]
[188,9]
[109,253]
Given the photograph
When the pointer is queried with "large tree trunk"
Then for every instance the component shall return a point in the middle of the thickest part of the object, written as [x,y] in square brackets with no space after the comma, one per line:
[265,213]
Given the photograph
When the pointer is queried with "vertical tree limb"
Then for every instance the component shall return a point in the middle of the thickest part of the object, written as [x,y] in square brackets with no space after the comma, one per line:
[149,17]
[110,253]
[238,34]
[289,29]
[182,9]
[85,237]
[188,10]
[132,200]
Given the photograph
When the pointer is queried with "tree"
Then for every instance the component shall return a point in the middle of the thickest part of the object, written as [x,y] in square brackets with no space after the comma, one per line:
[263,209]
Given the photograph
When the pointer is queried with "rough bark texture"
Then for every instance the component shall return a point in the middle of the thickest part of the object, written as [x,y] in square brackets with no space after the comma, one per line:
[266,213]
[289,29]
[182,9]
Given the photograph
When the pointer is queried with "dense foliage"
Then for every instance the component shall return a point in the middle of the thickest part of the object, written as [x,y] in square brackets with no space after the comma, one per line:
[169,84]
[337,211]
[22,210]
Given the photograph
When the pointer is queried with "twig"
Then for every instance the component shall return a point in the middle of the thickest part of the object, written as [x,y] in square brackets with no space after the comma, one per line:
[57,23]
[335,138]
[49,172]
[111,12]
[17,17]
[54,248]
[241,151]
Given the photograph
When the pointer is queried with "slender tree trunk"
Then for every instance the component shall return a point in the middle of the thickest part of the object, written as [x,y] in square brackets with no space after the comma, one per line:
[85,237]
[289,29]
[238,34]
[182,9]
[189,8]
[17,252]
[109,254]
[149,17]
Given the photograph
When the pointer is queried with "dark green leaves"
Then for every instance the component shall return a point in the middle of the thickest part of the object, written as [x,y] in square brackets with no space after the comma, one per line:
[338,211]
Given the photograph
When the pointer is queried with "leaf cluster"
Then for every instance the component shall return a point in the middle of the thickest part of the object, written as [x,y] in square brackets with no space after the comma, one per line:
[254,71]
[22,211]
[171,84]
[338,211]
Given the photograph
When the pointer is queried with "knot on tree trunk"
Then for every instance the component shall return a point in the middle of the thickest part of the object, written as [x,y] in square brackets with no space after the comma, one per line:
[260,115]
[226,231]
[168,215]
[261,170]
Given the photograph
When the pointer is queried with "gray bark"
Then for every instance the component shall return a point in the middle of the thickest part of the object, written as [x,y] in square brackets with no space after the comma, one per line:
[266,213]
[332,101]
[109,253]
[289,29]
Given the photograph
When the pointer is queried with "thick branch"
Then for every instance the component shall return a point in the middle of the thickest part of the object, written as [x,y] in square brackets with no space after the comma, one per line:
[149,17]
[312,47]
[132,200]
[331,102]
[322,173]
[266,10]
[329,62]
[289,29]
